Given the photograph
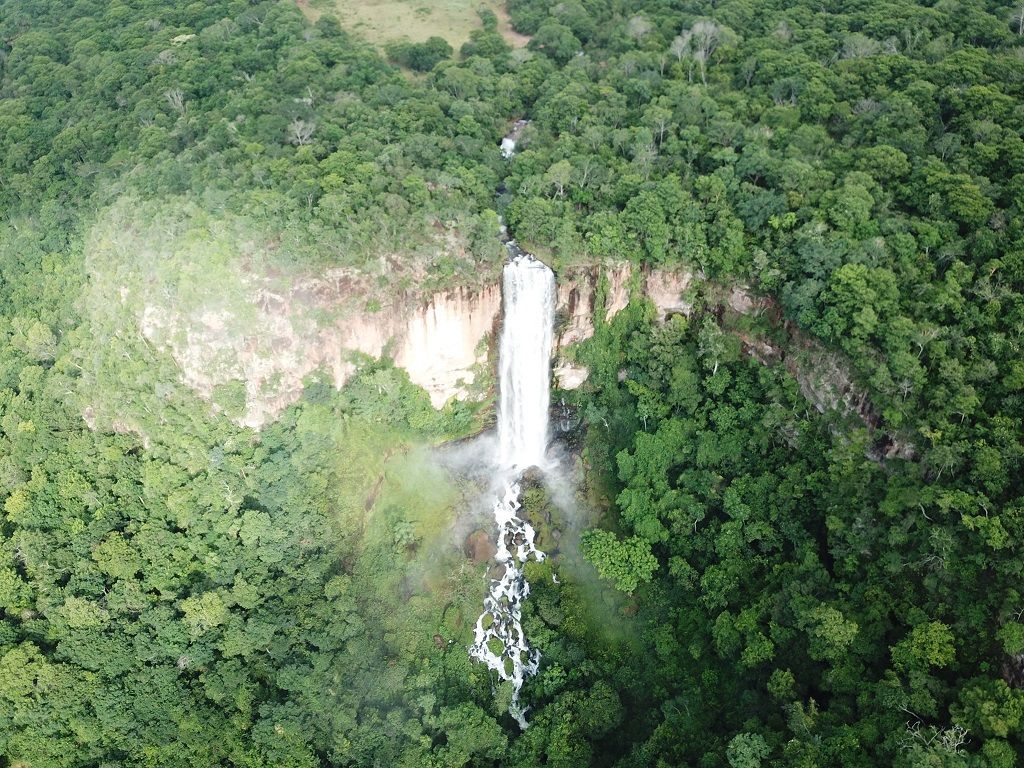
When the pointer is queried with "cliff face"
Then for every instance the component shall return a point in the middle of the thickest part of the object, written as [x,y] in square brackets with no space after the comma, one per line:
[246,317]
[246,325]
[444,340]
[280,333]
[825,377]
[273,334]
[578,292]
[439,342]
[577,295]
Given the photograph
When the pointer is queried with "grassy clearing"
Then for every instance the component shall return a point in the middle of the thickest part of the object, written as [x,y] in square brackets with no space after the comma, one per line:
[418,587]
[417,484]
[384,21]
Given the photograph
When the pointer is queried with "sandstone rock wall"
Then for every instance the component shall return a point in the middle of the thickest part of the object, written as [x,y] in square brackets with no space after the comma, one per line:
[279,335]
[437,341]
[578,294]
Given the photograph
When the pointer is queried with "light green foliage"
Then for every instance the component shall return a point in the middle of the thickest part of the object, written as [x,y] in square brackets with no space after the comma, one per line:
[471,734]
[831,634]
[230,398]
[83,614]
[781,684]
[990,707]
[34,339]
[116,557]
[14,593]
[747,750]
[927,645]
[627,562]
[204,612]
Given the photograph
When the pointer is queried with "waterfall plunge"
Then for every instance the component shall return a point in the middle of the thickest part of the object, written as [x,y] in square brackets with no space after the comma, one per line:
[528,301]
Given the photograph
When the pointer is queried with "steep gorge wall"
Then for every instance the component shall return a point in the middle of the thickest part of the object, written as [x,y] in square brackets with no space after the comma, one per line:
[579,291]
[280,334]
[825,377]
[439,342]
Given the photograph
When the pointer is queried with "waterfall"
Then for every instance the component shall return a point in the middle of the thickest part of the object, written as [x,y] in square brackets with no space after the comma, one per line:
[528,302]
[508,144]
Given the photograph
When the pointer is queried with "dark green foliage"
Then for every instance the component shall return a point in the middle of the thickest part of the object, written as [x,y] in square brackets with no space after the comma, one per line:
[240,106]
[421,57]
[811,602]
[812,606]
[628,563]
[191,593]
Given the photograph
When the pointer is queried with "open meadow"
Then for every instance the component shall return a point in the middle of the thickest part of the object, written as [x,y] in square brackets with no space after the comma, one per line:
[385,21]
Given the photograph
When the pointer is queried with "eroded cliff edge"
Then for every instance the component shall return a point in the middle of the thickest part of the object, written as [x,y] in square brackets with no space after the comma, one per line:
[321,324]
[274,334]
[243,333]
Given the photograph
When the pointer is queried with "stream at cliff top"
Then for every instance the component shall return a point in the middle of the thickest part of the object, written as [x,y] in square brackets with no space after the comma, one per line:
[528,303]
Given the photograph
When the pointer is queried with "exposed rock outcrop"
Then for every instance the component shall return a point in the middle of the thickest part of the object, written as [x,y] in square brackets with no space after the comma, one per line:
[275,333]
[667,290]
[578,292]
[574,310]
[479,547]
[246,317]
[568,375]
[439,342]
[825,377]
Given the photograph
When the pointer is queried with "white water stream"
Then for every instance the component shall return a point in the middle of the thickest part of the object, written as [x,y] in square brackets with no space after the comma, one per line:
[528,302]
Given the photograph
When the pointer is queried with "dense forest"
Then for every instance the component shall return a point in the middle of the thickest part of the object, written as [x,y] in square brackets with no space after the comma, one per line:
[767,583]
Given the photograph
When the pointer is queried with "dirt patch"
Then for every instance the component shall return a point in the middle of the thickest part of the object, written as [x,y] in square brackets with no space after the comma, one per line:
[371,499]
[311,13]
[514,39]
[478,547]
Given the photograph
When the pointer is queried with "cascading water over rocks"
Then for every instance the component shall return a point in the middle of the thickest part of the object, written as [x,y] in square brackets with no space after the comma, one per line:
[528,301]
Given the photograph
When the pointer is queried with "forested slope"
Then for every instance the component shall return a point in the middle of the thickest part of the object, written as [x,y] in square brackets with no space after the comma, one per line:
[175,590]
[247,107]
